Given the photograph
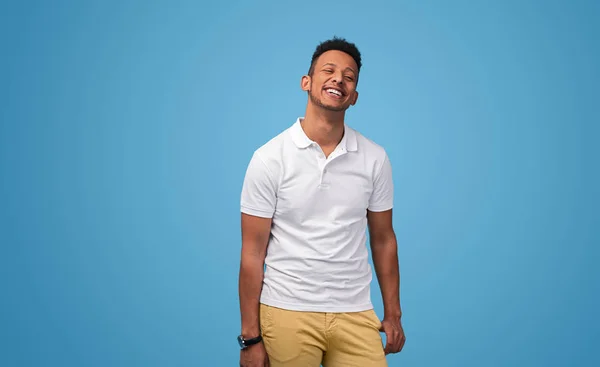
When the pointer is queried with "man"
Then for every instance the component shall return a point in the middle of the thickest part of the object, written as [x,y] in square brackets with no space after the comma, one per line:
[308,196]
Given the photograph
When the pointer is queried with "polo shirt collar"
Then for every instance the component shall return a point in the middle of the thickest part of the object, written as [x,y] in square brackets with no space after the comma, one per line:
[302,141]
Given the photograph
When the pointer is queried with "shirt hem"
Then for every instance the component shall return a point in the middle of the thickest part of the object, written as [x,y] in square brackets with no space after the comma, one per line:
[381,208]
[257,212]
[316,308]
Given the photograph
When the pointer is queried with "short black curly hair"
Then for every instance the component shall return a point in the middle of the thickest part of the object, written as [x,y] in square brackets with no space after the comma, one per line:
[338,44]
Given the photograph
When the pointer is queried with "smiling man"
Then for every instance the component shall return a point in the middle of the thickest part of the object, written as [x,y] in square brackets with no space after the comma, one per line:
[308,197]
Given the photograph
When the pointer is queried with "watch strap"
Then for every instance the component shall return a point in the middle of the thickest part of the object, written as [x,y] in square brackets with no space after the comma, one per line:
[245,343]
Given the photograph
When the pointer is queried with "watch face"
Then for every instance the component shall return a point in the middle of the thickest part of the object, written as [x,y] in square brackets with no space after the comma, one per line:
[241,341]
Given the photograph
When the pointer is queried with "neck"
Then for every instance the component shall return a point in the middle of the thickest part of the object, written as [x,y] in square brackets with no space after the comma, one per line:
[324,127]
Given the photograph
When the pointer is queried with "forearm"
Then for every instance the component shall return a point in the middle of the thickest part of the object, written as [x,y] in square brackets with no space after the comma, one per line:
[250,286]
[385,259]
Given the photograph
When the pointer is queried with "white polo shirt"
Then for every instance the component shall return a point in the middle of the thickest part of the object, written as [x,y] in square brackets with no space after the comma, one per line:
[317,258]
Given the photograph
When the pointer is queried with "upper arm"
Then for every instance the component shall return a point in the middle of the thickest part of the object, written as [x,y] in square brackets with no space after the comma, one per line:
[382,197]
[381,229]
[258,202]
[255,235]
[379,213]
[259,190]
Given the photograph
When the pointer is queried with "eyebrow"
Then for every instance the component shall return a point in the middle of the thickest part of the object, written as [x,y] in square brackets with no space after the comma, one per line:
[332,64]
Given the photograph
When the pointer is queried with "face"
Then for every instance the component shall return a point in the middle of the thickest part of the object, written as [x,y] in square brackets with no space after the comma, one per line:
[332,85]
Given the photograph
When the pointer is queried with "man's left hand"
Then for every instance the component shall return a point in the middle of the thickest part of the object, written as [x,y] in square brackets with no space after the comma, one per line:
[394,334]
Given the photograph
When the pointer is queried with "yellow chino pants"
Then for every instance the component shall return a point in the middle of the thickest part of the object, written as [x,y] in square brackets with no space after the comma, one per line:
[312,339]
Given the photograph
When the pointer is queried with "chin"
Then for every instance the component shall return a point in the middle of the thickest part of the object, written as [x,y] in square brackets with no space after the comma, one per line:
[336,108]
[329,107]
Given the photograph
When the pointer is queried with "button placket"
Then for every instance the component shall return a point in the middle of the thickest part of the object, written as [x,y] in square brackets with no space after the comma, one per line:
[321,163]
[323,170]
[324,162]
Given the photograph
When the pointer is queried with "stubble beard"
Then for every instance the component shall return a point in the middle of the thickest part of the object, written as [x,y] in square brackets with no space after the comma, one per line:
[317,101]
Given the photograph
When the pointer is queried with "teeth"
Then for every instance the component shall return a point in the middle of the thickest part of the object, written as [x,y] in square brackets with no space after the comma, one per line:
[334,91]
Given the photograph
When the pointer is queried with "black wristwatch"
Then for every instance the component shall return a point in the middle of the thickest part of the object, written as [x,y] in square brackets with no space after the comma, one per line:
[245,343]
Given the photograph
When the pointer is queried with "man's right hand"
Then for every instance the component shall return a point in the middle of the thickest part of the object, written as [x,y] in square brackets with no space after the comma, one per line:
[254,356]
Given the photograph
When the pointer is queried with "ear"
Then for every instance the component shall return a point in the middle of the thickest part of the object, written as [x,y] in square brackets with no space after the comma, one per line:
[305,83]
[354,98]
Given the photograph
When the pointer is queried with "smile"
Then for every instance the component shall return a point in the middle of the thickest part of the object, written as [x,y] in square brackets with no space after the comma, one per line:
[334,93]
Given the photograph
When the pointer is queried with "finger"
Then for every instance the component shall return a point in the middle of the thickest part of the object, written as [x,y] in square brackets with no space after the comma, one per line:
[394,341]
[389,343]
[402,341]
[398,345]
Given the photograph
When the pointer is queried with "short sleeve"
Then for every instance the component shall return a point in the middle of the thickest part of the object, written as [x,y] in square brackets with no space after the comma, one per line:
[382,197]
[259,190]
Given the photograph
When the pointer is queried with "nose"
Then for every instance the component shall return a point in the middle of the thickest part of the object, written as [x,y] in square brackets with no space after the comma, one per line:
[337,78]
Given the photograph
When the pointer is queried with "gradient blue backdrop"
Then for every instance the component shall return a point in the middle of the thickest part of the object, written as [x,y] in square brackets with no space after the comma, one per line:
[126,128]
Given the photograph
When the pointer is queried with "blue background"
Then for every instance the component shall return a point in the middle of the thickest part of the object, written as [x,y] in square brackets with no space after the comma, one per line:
[126,128]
